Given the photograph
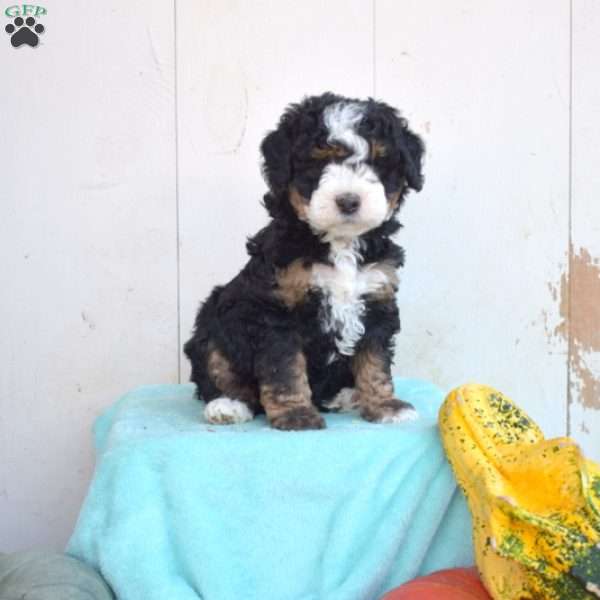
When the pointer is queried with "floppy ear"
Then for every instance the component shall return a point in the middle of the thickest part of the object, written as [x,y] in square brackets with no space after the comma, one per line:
[277,168]
[412,149]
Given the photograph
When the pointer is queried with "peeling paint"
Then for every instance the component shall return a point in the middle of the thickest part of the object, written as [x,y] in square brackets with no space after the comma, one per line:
[585,297]
[587,384]
[553,291]
[578,295]
[88,321]
[562,329]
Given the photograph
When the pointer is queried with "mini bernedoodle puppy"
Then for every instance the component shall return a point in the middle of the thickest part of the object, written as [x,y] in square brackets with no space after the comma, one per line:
[309,322]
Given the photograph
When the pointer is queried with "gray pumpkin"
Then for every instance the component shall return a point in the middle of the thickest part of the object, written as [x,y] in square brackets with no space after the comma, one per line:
[46,576]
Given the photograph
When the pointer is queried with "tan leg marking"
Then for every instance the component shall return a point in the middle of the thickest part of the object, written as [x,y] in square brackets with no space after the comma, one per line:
[289,406]
[222,375]
[375,391]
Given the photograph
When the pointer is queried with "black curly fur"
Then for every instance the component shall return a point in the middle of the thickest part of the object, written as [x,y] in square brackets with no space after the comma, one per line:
[245,320]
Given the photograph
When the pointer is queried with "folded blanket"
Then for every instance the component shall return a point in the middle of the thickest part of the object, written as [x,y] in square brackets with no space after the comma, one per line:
[180,509]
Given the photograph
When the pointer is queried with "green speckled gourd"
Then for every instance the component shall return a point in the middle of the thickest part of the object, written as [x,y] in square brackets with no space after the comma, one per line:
[535,503]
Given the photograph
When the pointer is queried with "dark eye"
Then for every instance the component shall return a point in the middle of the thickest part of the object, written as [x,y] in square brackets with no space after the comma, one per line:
[328,152]
[378,150]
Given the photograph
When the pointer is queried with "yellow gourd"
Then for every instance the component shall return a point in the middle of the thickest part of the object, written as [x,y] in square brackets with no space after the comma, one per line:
[535,503]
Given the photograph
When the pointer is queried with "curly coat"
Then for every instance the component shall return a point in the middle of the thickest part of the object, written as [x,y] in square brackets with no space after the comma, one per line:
[267,339]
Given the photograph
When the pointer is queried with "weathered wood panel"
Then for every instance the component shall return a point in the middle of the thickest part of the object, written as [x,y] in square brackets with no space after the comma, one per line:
[487,84]
[581,289]
[239,65]
[88,246]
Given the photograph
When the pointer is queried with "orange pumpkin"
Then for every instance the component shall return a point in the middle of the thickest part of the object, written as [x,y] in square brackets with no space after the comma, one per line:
[453,584]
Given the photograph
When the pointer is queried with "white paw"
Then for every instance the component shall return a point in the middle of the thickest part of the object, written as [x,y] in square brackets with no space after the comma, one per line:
[343,401]
[225,411]
[402,416]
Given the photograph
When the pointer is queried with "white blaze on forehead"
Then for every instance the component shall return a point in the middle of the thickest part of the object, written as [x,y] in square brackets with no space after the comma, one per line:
[350,176]
[342,120]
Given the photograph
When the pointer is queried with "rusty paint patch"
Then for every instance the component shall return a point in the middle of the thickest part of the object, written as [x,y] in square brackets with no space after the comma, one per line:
[584,325]
[585,296]
[579,306]
[562,328]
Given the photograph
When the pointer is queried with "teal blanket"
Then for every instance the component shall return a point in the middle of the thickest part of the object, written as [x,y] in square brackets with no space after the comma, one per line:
[180,509]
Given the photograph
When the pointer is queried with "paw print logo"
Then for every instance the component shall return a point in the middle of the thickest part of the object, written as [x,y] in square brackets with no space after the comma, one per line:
[24,32]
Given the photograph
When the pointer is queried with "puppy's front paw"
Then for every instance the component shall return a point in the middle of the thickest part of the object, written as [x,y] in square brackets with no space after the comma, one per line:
[225,411]
[389,411]
[298,419]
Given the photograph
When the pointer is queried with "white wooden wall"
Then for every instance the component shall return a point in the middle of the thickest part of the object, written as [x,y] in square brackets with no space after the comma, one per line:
[129,151]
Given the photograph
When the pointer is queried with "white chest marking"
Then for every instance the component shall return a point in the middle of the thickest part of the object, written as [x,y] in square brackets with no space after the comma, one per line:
[344,285]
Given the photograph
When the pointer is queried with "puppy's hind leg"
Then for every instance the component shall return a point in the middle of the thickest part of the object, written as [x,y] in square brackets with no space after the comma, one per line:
[228,401]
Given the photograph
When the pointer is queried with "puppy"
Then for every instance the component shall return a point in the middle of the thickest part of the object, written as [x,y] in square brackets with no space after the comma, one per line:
[309,322]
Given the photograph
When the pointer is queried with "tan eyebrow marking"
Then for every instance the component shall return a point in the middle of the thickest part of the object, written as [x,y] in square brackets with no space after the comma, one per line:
[329,151]
[377,150]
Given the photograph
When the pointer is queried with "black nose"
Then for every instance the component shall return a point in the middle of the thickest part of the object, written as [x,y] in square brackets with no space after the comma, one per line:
[348,203]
